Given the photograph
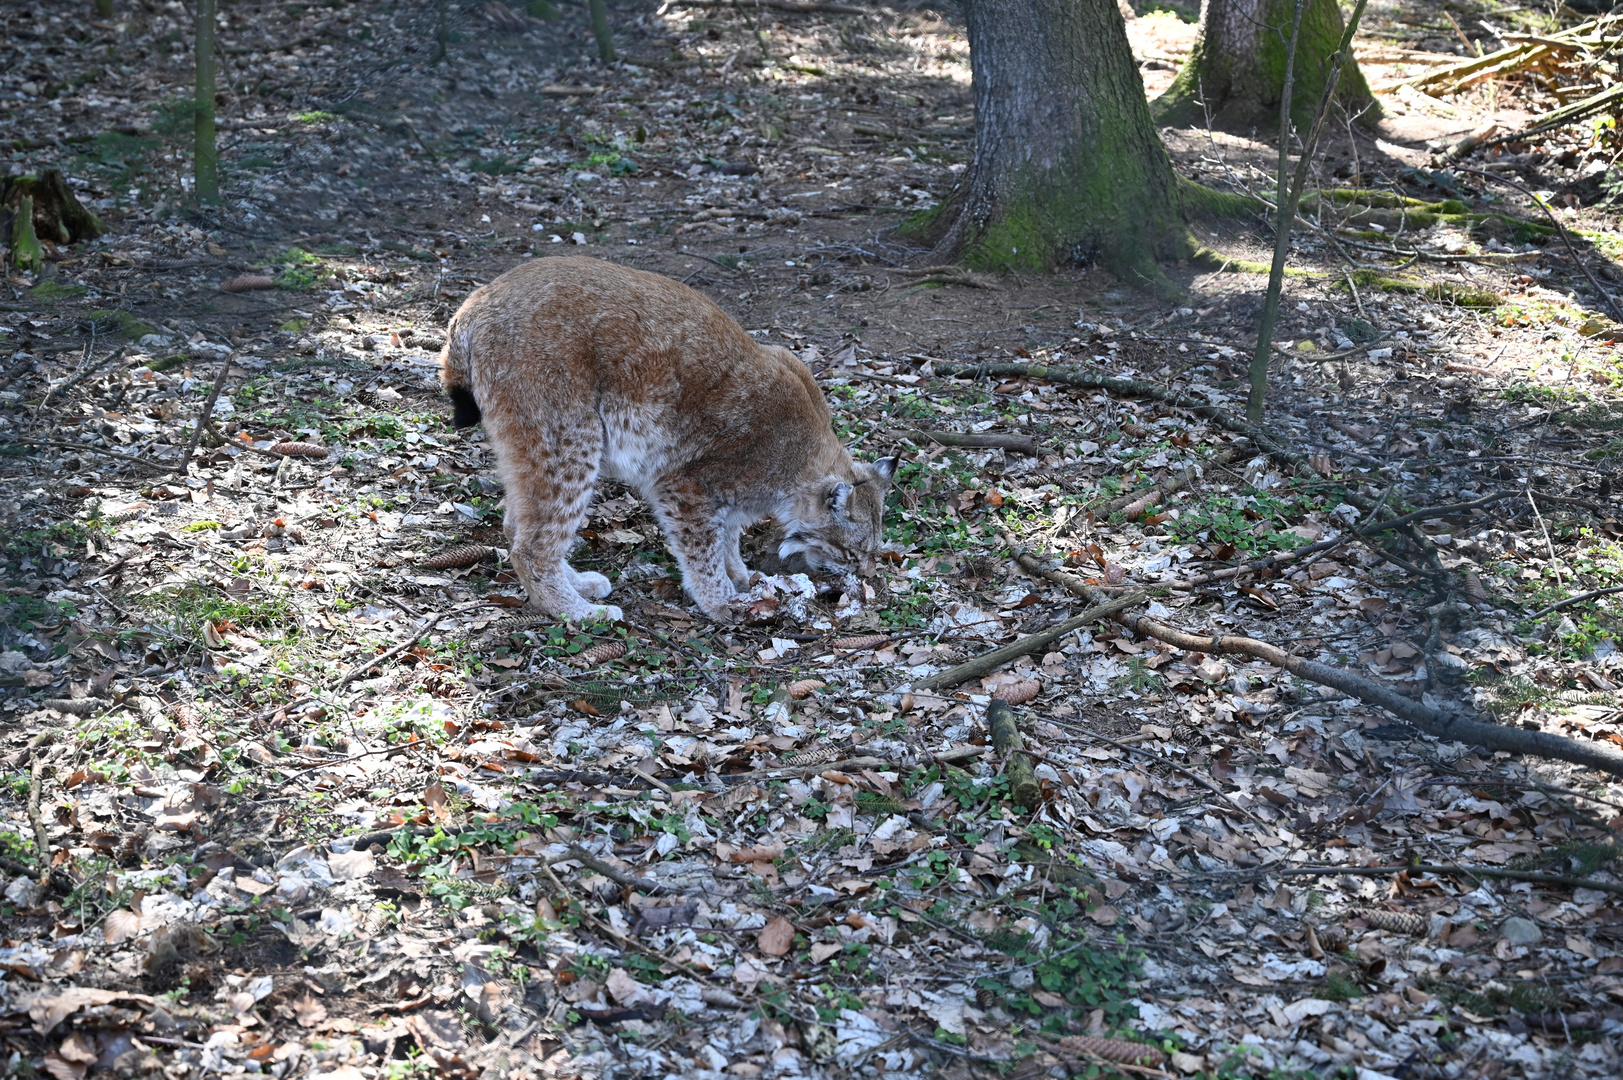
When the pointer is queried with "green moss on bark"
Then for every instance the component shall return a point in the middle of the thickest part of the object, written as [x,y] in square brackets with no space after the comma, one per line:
[1239,69]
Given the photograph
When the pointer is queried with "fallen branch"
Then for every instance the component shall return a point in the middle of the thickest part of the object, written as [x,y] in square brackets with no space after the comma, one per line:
[1450,725]
[1569,601]
[1435,868]
[1134,503]
[1611,304]
[383,658]
[579,854]
[986,440]
[804,6]
[987,662]
[203,415]
[130,458]
[1023,786]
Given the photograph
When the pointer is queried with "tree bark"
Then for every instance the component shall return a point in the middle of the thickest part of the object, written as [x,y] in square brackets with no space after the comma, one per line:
[1238,67]
[1067,166]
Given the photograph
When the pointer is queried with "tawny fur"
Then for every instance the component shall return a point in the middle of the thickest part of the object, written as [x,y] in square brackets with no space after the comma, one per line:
[582,369]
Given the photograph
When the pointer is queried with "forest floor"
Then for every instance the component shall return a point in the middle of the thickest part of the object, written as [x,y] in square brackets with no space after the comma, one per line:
[315,802]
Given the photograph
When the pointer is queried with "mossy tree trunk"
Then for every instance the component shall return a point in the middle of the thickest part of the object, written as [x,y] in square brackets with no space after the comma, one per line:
[1067,166]
[1238,66]
[205,153]
[600,28]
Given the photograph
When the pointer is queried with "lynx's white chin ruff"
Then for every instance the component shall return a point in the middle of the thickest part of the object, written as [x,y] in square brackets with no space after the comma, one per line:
[581,369]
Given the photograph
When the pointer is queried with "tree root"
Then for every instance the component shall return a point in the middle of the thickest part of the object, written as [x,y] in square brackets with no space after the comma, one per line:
[1450,724]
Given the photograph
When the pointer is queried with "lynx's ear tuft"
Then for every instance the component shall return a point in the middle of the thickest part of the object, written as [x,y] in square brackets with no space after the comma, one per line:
[464,407]
[839,496]
[886,468]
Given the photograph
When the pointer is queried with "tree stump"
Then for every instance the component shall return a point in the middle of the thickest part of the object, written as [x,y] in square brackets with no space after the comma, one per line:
[43,208]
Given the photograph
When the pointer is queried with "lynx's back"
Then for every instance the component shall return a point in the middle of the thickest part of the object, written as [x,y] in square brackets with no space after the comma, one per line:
[580,368]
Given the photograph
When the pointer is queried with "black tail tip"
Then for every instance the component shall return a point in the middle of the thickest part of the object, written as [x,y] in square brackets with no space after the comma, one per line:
[464,409]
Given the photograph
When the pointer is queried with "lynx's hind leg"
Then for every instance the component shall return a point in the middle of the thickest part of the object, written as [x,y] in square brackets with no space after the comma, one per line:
[549,471]
[699,539]
[737,571]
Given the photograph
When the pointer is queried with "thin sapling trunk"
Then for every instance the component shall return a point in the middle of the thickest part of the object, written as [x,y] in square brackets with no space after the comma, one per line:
[1288,199]
[600,27]
[205,153]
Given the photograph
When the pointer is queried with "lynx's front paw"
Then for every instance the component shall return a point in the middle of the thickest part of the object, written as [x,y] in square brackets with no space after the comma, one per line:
[592,585]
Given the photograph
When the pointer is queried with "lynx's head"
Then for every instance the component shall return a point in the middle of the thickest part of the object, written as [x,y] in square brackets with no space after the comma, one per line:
[837,524]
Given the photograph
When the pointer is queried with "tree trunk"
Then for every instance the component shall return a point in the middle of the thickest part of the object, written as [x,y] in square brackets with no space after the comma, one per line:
[600,28]
[205,152]
[1067,166]
[1238,67]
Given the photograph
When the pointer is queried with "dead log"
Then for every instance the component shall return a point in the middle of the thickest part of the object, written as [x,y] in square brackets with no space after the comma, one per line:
[984,440]
[1023,786]
[1452,724]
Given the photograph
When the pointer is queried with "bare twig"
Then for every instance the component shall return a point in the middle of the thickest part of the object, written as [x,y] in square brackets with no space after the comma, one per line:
[1611,304]
[986,662]
[203,415]
[1450,724]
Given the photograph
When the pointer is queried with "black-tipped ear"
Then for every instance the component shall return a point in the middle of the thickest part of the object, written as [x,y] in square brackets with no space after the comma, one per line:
[464,407]
[886,468]
[839,496]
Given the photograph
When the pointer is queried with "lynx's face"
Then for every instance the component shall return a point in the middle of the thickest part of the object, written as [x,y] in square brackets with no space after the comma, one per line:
[839,524]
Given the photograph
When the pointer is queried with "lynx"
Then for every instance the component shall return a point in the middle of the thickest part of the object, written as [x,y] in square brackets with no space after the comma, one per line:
[582,369]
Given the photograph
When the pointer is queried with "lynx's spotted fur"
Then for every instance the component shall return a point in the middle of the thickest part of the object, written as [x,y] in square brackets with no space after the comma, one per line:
[581,369]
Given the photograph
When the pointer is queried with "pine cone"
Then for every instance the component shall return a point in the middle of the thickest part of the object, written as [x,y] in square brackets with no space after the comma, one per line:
[861,641]
[248,283]
[1130,1053]
[299,449]
[457,557]
[1398,922]
[1018,693]
[599,654]
[815,756]
[804,688]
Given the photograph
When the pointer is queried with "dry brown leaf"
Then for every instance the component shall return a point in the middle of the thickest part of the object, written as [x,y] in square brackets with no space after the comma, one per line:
[120,926]
[776,937]
[439,808]
[309,1011]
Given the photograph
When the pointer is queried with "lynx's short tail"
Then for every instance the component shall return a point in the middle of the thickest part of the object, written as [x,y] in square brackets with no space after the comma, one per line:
[455,372]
